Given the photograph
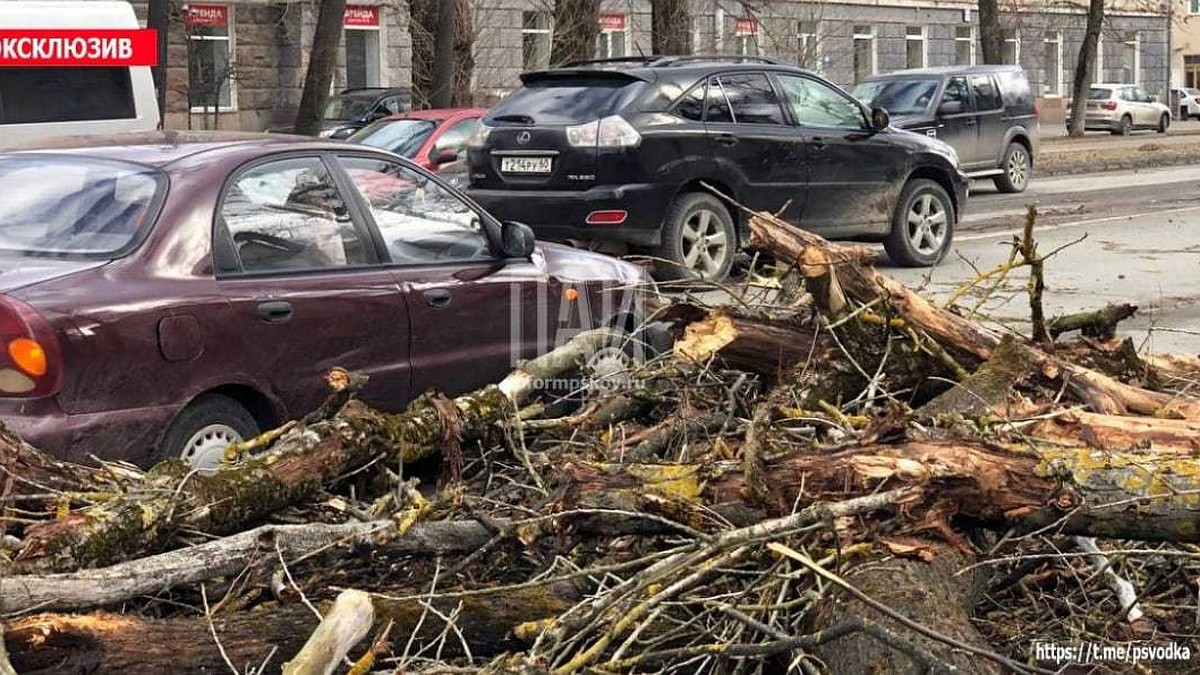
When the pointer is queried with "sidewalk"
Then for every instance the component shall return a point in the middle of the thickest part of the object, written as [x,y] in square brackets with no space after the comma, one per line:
[1098,151]
[1049,133]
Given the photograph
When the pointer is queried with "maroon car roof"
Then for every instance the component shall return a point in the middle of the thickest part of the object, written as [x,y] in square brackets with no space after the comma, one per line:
[161,148]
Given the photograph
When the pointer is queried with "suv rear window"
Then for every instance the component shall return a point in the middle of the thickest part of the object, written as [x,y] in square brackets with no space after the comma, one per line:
[1099,94]
[568,99]
[30,95]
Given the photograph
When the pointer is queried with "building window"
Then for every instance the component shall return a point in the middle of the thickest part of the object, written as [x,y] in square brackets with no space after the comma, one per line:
[210,57]
[535,40]
[610,41]
[745,36]
[808,48]
[361,25]
[914,47]
[1098,62]
[1052,70]
[1130,59]
[1194,7]
[1191,66]
[864,52]
[964,45]
[1011,53]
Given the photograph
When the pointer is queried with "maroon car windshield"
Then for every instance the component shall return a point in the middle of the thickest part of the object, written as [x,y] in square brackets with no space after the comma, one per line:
[58,205]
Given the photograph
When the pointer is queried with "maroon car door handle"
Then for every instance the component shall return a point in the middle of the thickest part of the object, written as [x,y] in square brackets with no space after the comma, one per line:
[437,298]
[275,312]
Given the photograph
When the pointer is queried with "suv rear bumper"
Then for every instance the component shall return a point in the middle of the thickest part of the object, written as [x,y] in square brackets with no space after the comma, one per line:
[558,215]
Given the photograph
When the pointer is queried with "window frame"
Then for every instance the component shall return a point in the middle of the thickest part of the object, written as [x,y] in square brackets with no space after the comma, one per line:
[491,227]
[1055,38]
[230,38]
[810,43]
[606,35]
[1013,38]
[547,33]
[970,40]
[1134,40]
[872,42]
[221,239]
[923,38]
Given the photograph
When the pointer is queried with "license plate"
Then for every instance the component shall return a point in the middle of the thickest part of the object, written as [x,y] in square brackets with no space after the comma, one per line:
[525,164]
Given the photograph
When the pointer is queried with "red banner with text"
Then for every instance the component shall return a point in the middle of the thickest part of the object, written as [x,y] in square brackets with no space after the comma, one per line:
[74,48]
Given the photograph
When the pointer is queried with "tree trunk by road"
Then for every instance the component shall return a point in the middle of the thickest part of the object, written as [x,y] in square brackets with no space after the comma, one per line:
[423,27]
[991,38]
[443,55]
[576,24]
[321,62]
[669,27]
[158,18]
[1083,67]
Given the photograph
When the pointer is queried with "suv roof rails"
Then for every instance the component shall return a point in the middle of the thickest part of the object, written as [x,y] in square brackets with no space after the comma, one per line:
[667,61]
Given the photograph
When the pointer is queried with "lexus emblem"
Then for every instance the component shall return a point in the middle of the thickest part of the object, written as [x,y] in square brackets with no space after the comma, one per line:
[523,137]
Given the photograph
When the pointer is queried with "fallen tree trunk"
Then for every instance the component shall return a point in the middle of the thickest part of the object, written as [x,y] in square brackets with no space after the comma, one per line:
[120,643]
[867,286]
[172,496]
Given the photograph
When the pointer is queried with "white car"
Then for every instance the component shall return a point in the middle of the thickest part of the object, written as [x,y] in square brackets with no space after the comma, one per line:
[1121,108]
[1186,101]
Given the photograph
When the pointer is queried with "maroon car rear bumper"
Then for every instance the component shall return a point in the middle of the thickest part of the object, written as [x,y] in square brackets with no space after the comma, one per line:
[128,435]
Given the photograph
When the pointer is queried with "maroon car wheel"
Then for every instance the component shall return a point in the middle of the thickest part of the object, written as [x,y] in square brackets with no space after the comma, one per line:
[201,432]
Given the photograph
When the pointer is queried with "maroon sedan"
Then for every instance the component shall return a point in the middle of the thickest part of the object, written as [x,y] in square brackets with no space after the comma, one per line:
[162,296]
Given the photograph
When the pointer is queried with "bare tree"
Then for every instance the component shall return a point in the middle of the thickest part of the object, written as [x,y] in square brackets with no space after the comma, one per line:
[443,55]
[991,36]
[423,27]
[576,25]
[158,18]
[1083,67]
[321,62]
[669,27]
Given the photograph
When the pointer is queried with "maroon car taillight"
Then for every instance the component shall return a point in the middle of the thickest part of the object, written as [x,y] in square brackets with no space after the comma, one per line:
[1110,105]
[30,359]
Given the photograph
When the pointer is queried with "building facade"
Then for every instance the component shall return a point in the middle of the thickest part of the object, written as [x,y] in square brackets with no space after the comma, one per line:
[1185,44]
[240,65]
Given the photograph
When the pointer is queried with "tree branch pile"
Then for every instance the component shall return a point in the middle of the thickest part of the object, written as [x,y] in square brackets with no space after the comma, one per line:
[858,480]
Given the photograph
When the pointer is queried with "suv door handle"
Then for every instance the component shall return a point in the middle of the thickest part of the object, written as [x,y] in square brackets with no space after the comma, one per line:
[727,139]
[437,298]
[970,121]
[818,143]
[275,312]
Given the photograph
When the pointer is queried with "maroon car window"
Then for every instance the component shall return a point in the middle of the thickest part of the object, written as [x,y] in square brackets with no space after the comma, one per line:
[420,221]
[73,206]
[287,215]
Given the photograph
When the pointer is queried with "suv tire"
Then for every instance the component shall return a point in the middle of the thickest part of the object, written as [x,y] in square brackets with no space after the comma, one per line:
[1016,167]
[206,423]
[1126,127]
[922,225]
[1163,123]
[699,240]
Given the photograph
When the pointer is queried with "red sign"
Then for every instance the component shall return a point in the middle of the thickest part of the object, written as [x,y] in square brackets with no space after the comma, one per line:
[361,16]
[745,27]
[612,22]
[41,48]
[206,15]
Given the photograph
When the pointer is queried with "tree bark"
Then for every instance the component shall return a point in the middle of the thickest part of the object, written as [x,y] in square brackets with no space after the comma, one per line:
[322,60]
[443,56]
[991,35]
[50,644]
[1083,67]
[670,27]
[345,625]
[576,25]
[158,18]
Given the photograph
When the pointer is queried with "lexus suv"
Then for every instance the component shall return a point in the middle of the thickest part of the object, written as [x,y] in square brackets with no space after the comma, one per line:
[986,113]
[656,155]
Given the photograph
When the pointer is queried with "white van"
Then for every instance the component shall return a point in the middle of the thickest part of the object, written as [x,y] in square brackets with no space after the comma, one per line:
[41,103]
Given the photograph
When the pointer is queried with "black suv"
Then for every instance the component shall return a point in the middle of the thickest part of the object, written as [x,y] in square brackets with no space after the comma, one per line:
[639,152]
[986,113]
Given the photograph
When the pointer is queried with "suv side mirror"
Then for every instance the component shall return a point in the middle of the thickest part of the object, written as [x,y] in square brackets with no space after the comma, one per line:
[443,156]
[950,108]
[516,239]
[880,119]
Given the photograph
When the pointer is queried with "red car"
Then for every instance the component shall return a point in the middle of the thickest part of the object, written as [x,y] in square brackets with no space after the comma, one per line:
[164,296]
[431,138]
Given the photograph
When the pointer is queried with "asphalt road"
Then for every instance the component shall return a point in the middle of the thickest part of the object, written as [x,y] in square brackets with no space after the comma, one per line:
[1131,237]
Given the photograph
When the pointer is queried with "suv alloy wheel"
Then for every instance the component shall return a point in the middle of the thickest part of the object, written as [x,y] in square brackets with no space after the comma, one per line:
[1016,167]
[922,225]
[699,240]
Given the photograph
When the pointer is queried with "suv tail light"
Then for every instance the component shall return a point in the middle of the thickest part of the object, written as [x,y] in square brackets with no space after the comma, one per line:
[479,136]
[30,360]
[610,132]
[1110,105]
